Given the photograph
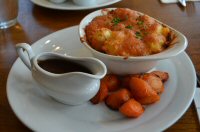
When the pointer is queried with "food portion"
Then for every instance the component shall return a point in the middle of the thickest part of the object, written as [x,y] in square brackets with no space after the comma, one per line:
[101,95]
[130,93]
[125,32]
[118,98]
[132,108]
[142,91]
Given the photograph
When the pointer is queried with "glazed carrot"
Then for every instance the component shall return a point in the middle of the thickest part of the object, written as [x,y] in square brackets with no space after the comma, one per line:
[155,82]
[132,108]
[162,75]
[116,99]
[143,92]
[149,100]
[125,81]
[111,81]
[101,95]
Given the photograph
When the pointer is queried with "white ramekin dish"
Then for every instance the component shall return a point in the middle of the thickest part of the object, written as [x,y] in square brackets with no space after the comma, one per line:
[131,65]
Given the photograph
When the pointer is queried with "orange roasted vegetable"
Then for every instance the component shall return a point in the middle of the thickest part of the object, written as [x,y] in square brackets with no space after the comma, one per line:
[143,92]
[162,75]
[132,108]
[128,93]
[154,81]
[126,79]
[116,99]
[101,95]
[111,81]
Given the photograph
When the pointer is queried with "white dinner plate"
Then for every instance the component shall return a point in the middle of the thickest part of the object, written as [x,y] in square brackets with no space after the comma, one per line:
[41,113]
[69,5]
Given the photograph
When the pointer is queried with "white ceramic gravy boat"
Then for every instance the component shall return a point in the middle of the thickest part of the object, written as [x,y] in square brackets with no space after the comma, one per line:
[72,88]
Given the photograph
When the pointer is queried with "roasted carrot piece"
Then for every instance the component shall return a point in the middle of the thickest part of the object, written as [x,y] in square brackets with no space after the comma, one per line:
[149,100]
[125,81]
[132,108]
[142,91]
[116,99]
[162,75]
[111,81]
[101,95]
[155,82]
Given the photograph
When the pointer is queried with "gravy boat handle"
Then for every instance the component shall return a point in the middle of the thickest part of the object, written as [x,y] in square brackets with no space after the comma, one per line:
[23,46]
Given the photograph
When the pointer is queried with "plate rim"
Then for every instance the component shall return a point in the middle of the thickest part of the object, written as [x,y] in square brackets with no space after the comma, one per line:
[35,43]
[74,9]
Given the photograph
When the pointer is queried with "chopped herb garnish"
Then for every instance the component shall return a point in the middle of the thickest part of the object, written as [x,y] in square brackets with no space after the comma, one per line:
[145,33]
[138,35]
[116,20]
[129,27]
[140,23]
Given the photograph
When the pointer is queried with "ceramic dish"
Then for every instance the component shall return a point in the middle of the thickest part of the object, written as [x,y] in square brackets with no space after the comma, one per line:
[69,5]
[57,1]
[85,2]
[41,113]
[88,73]
[125,65]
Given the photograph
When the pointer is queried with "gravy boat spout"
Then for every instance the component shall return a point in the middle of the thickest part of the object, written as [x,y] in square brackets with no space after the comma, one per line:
[72,87]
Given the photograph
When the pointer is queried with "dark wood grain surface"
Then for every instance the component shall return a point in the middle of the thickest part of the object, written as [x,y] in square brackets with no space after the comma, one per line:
[35,22]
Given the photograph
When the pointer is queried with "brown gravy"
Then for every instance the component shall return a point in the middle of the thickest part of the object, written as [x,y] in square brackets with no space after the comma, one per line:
[59,66]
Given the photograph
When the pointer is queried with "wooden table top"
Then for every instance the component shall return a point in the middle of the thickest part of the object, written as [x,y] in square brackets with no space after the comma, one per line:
[35,22]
